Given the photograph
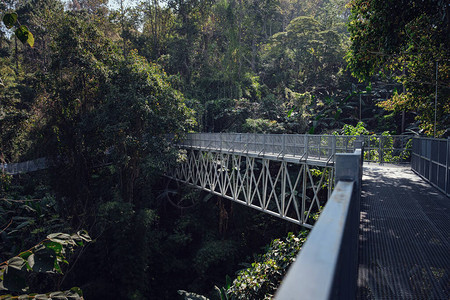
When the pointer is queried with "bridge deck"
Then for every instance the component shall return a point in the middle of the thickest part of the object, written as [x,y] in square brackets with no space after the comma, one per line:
[404,250]
[315,160]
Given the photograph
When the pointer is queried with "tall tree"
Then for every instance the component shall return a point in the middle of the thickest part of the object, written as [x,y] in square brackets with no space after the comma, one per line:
[407,39]
[303,58]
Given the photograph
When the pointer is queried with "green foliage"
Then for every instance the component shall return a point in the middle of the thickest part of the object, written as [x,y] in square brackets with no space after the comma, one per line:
[140,100]
[262,126]
[379,148]
[102,111]
[191,296]
[45,257]
[306,53]
[261,280]
[73,294]
[29,212]
[10,20]
[5,181]
[124,253]
[410,47]
[212,254]
[22,33]
[359,129]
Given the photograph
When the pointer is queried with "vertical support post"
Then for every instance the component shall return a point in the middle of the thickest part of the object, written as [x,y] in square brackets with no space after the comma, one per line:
[447,165]
[306,145]
[333,147]
[346,143]
[320,142]
[349,168]
[294,146]
[273,144]
[430,160]
[330,182]
[264,145]
[305,174]
[248,169]
[284,145]
[360,106]
[380,149]
[265,179]
[283,187]
[435,100]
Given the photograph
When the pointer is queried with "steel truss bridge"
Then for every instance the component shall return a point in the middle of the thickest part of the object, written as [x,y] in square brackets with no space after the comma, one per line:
[285,175]
[384,235]
[381,235]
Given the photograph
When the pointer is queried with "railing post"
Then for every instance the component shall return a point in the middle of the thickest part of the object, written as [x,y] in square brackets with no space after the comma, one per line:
[264,146]
[349,168]
[333,146]
[380,149]
[320,143]
[430,162]
[447,164]
[306,145]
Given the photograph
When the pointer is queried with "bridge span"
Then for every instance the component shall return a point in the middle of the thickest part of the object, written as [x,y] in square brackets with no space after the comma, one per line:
[385,236]
[381,235]
[288,176]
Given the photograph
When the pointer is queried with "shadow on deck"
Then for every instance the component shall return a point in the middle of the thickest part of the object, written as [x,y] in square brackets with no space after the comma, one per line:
[404,247]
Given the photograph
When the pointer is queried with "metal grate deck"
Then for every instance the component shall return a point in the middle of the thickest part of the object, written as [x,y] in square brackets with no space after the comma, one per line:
[404,248]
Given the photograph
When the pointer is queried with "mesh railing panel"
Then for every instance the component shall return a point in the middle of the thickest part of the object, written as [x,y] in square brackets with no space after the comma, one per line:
[319,147]
[431,160]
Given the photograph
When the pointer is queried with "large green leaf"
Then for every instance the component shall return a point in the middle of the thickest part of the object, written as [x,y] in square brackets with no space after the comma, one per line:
[57,247]
[42,260]
[80,237]
[10,20]
[16,263]
[25,254]
[61,238]
[24,35]
[15,279]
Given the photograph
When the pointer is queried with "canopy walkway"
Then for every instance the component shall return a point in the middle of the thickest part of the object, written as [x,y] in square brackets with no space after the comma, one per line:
[385,237]
[381,235]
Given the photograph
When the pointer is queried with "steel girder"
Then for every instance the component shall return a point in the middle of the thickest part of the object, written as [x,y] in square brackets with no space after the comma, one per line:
[291,191]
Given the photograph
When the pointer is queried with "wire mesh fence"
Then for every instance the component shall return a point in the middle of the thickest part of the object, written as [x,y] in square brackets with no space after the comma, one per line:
[24,167]
[377,148]
[431,160]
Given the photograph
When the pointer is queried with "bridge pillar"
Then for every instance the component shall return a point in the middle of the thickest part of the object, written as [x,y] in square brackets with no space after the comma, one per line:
[349,168]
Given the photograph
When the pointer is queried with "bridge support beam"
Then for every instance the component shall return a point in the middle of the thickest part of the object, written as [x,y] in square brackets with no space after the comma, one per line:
[291,191]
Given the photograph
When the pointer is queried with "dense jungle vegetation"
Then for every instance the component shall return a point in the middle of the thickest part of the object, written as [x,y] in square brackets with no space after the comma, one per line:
[97,88]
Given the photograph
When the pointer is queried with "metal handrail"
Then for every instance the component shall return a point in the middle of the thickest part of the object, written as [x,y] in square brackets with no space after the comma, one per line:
[25,167]
[378,148]
[326,267]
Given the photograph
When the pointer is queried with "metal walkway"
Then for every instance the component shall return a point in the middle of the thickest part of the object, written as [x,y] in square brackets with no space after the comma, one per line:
[404,248]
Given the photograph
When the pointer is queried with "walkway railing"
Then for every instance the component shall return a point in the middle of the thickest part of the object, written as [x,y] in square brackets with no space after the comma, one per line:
[318,147]
[24,167]
[326,267]
[387,148]
[303,146]
[431,160]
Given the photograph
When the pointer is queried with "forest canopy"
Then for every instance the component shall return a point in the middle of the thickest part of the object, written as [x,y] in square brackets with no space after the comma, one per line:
[103,89]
